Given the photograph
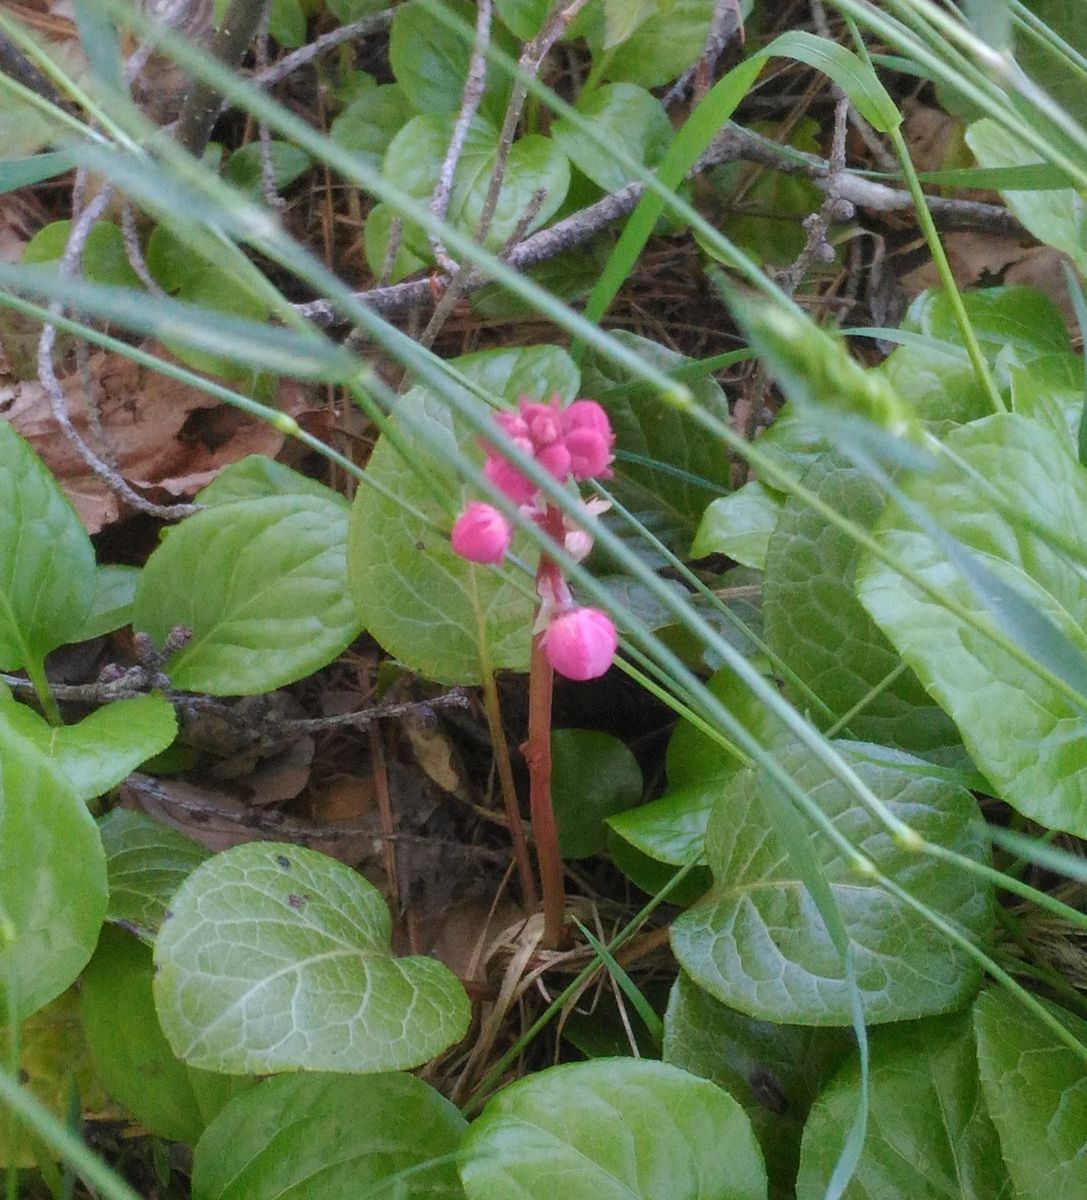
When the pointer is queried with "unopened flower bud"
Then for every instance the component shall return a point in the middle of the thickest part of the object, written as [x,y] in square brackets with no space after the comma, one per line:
[588,437]
[481,534]
[580,643]
[508,479]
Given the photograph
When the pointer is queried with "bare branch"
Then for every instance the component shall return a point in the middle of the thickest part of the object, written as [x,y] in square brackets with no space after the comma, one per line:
[329,41]
[727,21]
[529,64]
[69,266]
[731,145]
[834,207]
[229,44]
[469,105]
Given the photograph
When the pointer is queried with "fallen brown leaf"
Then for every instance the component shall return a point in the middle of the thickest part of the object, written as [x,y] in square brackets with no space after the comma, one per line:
[165,435]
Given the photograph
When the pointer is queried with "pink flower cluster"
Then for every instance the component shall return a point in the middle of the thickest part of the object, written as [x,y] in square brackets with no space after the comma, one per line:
[573,442]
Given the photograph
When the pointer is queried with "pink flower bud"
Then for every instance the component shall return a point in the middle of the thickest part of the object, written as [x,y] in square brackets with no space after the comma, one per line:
[555,459]
[588,437]
[590,453]
[580,643]
[481,534]
[506,477]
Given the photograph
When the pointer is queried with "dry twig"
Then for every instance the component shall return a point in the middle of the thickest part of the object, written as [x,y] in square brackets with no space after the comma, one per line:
[731,145]
[469,106]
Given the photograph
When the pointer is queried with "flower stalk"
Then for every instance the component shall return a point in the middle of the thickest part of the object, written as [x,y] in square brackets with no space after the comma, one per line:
[579,643]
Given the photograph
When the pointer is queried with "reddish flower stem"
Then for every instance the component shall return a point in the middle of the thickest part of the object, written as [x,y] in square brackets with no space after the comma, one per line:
[537,753]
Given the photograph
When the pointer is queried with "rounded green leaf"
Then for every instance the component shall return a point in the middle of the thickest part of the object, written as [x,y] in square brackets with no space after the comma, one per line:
[631,119]
[613,1129]
[593,776]
[430,60]
[104,748]
[523,17]
[1001,317]
[694,757]
[47,570]
[256,476]
[814,621]
[671,828]
[103,260]
[369,123]
[759,943]
[276,958]
[666,44]
[774,1071]
[1036,1090]
[132,1057]
[146,863]
[412,252]
[739,525]
[535,164]
[1025,736]
[111,605]
[424,604]
[52,878]
[332,1137]
[261,584]
[246,166]
[651,875]
[929,1135]
[670,498]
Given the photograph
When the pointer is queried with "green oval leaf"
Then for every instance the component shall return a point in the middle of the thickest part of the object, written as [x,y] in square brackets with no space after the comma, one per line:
[261,584]
[613,1129]
[1036,1090]
[111,604]
[276,958]
[334,1137]
[739,525]
[52,878]
[664,44]
[47,570]
[929,1134]
[103,260]
[146,862]
[414,159]
[104,748]
[667,469]
[369,123]
[815,623]
[1057,217]
[760,945]
[774,1071]
[256,477]
[424,604]
[132,1057]
[430,60]
[629,117]
[246,166]
[593,776]
[1025,735]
